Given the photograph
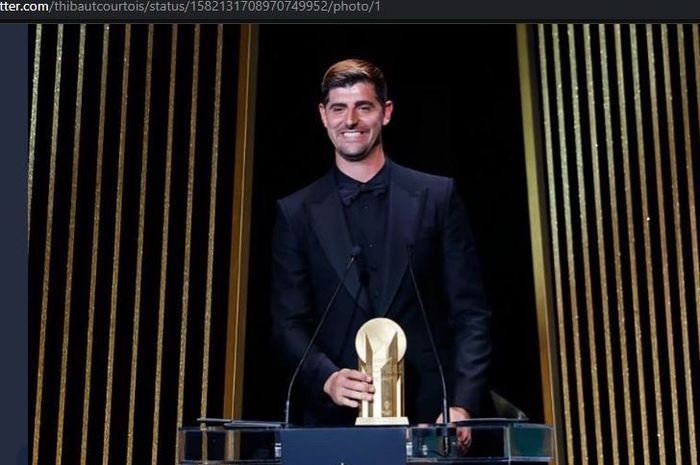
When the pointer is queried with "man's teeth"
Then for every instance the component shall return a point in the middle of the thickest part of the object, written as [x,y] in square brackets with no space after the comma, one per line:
[352,134]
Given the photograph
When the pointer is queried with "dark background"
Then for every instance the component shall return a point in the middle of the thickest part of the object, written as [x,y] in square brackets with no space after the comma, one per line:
[457,113]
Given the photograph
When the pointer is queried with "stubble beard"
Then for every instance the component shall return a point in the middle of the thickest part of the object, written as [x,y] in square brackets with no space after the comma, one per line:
[356,157]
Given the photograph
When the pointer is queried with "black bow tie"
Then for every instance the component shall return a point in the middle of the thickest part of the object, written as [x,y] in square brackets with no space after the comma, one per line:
[350,191]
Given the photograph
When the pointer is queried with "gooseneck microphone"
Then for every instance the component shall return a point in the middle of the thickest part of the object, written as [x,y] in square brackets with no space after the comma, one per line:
[445,409]
[354,252]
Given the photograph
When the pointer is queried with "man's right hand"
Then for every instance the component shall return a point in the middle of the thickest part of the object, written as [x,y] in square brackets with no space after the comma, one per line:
[348,387]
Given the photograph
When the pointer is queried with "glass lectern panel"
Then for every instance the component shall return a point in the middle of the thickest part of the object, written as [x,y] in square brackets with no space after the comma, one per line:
[217,445]
[492,441]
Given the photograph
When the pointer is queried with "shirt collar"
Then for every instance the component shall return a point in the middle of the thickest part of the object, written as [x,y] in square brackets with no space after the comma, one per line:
[382,176]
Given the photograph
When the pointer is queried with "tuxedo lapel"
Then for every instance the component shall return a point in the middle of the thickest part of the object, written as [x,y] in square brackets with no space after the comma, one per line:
[328,222]
[404,212]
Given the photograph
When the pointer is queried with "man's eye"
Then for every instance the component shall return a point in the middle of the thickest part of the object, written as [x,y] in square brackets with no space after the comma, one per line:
[365,108]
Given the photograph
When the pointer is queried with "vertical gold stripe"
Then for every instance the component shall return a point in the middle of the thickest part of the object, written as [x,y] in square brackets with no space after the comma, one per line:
[188,227]
[694,240]
[556,258]
[583,218]
[570,247]
[139,247]
[95,244]
[205,445]
[602,258]
[636,306]
[679,256]
[47,246]
[691,187]
[32,125]
[116,248]
[71,247]
[240,231]
[662,238]
[538,233]
[212,218]
[696,56]
[164,248]
[617,252]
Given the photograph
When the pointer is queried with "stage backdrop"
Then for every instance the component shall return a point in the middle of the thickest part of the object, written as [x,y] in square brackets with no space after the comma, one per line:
[575,148]
[613,139]
[131,195]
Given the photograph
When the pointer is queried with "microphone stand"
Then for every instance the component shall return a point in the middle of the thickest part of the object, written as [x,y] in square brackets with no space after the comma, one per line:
[353,256]
[445,409]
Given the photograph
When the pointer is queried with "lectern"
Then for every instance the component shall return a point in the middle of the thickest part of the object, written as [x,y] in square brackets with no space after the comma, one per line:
[493,441]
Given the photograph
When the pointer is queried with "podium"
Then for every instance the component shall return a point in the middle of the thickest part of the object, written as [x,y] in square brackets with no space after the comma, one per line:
[493,441]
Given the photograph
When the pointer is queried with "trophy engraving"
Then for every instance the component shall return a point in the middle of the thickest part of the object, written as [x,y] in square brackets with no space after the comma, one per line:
[381,345]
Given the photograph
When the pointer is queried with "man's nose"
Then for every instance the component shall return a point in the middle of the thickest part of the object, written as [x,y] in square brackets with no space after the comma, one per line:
[351,118]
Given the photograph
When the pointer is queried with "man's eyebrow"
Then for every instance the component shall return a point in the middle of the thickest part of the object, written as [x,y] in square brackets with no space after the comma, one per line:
[356,104]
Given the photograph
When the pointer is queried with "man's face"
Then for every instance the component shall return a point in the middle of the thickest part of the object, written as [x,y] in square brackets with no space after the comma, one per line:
[354,117]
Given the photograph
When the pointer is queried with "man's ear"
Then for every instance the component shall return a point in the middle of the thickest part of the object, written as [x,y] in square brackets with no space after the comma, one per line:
[322,112]
[388,110]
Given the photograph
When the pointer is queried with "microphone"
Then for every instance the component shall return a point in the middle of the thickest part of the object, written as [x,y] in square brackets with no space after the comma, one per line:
[445,409]
[354,252]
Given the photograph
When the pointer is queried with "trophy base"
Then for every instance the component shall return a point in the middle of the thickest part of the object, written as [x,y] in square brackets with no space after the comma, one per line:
[372,421]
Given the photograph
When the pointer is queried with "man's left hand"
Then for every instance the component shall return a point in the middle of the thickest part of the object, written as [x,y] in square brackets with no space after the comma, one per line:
[464,435]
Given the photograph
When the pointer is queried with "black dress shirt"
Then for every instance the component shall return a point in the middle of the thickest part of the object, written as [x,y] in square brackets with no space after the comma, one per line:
[365,208]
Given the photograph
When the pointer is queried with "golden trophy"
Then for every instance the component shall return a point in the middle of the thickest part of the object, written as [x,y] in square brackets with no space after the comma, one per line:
[381,345]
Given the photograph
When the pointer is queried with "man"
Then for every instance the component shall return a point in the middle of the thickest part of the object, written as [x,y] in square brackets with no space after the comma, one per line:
[394,215]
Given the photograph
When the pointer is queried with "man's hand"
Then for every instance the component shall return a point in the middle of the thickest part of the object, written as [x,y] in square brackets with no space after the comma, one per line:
[348,387]
[464,435]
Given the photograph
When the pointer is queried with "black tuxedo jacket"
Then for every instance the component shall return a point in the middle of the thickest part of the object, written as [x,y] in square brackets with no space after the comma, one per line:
[311,248]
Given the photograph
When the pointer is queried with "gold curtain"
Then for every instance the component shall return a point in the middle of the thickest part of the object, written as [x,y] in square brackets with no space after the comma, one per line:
[613,135]
[133,150]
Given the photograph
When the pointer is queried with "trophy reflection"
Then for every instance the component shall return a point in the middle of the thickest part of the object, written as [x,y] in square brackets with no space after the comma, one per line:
[381,345]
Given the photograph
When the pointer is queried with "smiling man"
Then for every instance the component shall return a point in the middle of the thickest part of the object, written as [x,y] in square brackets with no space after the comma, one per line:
[391,214]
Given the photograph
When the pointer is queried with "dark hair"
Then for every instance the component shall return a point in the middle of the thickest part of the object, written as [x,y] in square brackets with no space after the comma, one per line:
[349,72]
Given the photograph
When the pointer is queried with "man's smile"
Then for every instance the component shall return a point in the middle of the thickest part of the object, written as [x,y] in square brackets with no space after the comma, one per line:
[354,134]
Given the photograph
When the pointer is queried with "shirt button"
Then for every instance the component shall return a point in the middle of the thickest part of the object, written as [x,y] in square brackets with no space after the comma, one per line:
[375,293]
[373,267]
[371,246]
